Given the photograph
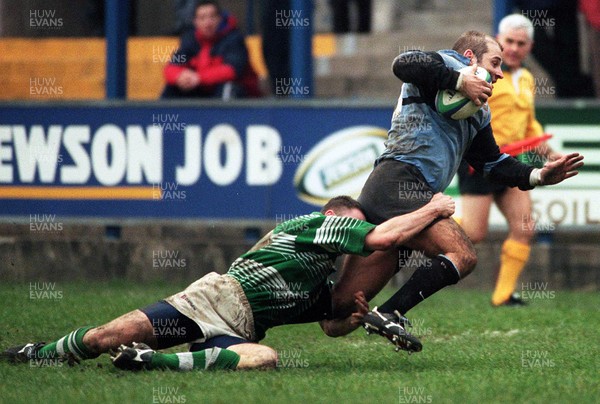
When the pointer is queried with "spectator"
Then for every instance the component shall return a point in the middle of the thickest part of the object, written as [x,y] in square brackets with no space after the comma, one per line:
[556,37]
[591,11]
[212,59]
[341,15]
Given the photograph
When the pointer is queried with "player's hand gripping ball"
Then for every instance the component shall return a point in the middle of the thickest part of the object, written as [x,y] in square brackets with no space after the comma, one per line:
[454,104]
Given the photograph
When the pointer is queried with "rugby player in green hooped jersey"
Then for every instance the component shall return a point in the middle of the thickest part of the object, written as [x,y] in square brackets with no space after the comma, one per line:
[283,279]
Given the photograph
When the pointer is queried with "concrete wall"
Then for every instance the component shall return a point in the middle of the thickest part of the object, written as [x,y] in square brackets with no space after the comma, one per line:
[184,251]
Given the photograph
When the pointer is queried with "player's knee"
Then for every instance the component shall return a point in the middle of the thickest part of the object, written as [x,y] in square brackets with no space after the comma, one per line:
[471,260]
[265,358]
[270,358]
[524,231]
[478,236]
[468,262]
[96,340]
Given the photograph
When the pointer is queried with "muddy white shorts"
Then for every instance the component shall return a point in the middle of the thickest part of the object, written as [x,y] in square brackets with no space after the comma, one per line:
[218,305]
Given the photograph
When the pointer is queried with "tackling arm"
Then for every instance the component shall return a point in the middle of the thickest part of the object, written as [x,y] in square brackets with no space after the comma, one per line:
[340,327]
[398,230]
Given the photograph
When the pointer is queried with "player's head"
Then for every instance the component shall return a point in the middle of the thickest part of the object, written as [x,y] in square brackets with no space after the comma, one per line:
[207,17]
[515,34]
[343,206]
[482,49]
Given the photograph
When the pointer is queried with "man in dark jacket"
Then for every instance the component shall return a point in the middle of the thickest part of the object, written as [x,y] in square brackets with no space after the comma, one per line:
[212,60]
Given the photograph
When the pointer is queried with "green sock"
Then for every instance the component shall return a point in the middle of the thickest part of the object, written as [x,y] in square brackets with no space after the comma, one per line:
[212,358]
[72,342]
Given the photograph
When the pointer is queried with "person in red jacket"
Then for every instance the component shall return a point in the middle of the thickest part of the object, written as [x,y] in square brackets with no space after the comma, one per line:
[212,59]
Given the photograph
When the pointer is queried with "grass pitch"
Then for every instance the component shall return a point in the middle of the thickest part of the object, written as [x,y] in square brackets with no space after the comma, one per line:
[545,353]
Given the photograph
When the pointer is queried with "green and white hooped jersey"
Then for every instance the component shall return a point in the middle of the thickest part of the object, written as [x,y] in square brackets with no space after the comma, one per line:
[285,275]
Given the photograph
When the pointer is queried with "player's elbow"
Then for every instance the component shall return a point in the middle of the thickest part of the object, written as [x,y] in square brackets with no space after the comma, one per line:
[330,329]
[402,62]
[398,65]
[327,329]
[380,241]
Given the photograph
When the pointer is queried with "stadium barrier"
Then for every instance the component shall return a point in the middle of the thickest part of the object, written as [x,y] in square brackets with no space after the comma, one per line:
[44,74]
[102,189]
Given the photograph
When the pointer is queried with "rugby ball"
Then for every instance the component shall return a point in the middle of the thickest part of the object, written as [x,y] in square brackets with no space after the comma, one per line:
[453,104]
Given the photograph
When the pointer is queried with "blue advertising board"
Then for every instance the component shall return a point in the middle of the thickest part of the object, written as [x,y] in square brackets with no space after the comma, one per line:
[178,161]
[226,161]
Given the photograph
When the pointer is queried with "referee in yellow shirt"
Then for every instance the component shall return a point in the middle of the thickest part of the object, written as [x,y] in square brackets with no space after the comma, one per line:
[513,119]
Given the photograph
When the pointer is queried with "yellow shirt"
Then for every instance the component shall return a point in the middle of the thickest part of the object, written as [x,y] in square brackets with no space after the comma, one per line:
[513,109]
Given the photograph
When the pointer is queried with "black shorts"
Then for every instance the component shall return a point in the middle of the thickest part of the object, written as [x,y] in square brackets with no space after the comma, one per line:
[394,188]
[473,183]
[220,341]
[170,326]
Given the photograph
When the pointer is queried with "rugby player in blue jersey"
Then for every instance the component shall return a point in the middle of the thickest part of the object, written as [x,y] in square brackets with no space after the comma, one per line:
[421,159]
[283,279]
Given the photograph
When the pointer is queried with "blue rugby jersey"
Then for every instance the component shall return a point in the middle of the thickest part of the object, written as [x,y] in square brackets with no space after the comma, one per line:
[420,136]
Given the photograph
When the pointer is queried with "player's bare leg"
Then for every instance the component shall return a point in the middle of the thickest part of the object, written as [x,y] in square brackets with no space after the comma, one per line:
[446,237]
[452,256]
[475,216]
[236,357]
[255,356]
[368,274]
[124,330]
[373,272]
[88,342]
[515,205]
